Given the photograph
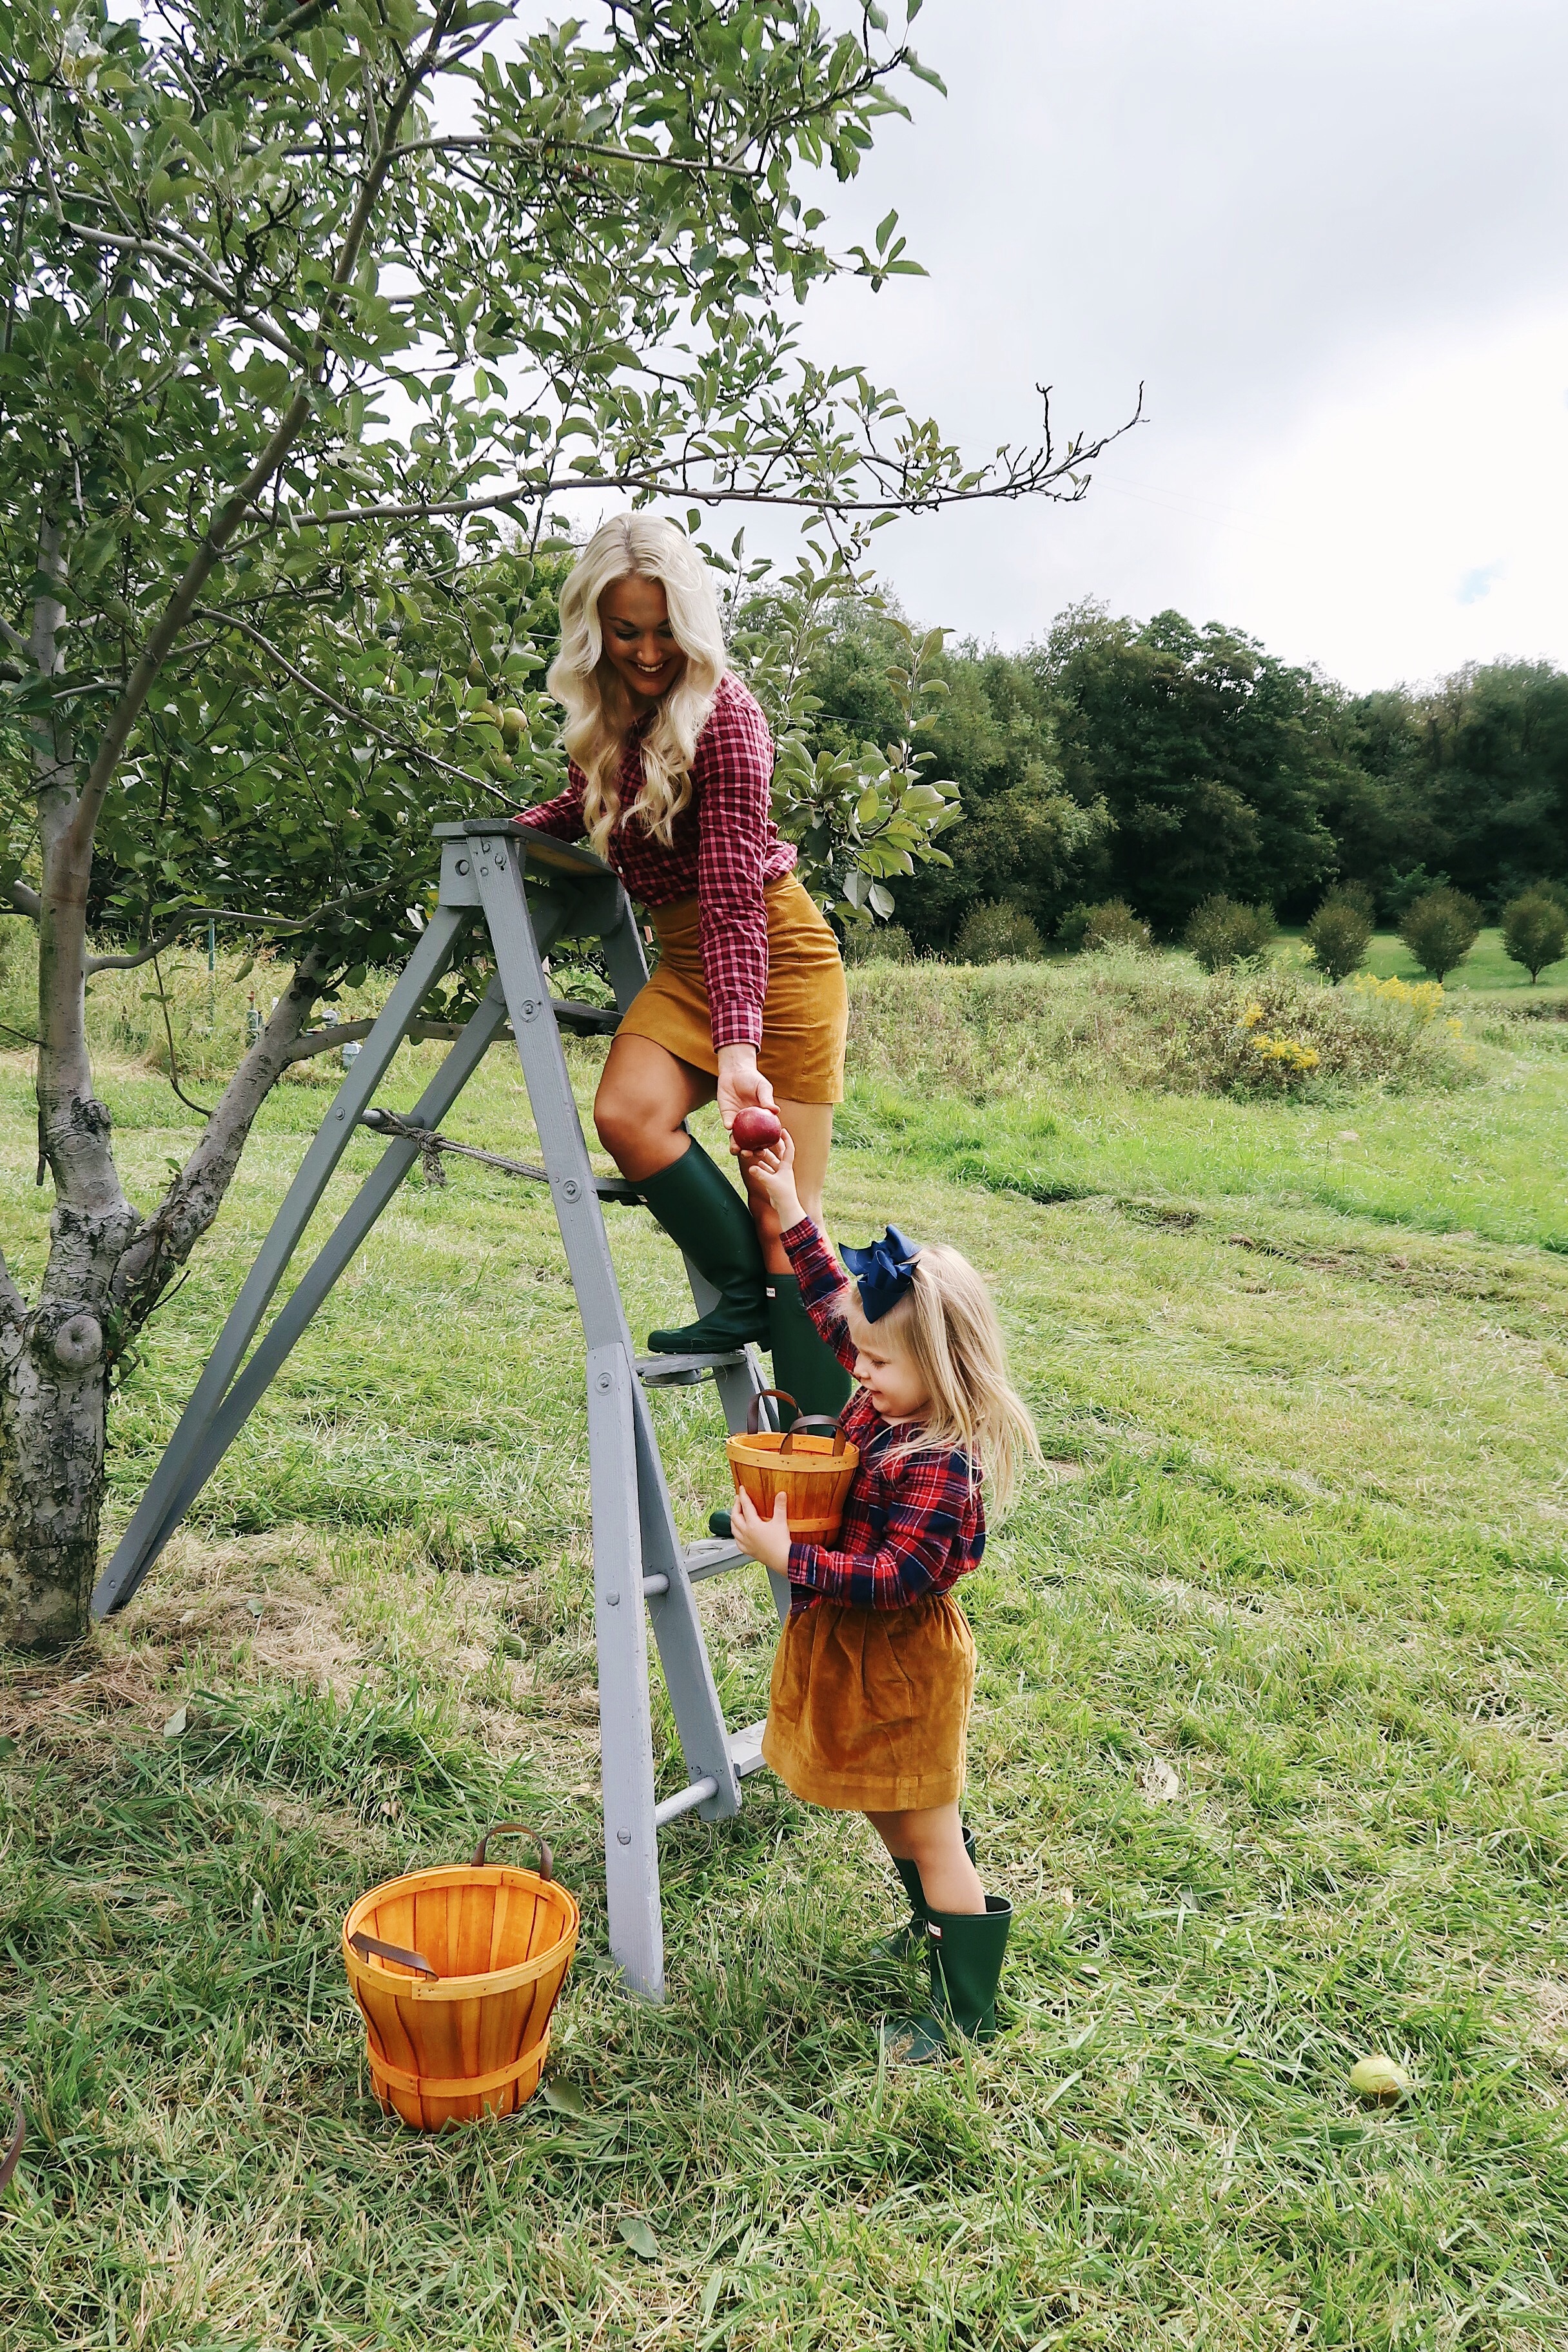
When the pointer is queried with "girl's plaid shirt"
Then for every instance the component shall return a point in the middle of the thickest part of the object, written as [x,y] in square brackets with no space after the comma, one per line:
[910,1527]
[724,851]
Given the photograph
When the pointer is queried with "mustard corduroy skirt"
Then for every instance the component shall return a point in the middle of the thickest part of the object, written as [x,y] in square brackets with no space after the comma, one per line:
[869,1708]
[804,1014]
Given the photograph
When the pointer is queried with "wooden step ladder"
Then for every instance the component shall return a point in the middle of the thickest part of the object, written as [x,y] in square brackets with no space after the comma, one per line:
[530,893]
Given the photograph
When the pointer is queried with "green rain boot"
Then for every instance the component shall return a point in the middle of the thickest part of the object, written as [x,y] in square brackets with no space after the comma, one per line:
[966,1953]
[908,1939]
[804,1364]
[700,1210]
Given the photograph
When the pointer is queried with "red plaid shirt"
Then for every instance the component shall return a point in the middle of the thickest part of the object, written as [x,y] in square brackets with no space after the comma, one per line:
[726,850]
[910,1527]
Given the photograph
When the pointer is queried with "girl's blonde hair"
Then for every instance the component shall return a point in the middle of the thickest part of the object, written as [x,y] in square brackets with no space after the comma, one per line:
[599,713]
[946,1325]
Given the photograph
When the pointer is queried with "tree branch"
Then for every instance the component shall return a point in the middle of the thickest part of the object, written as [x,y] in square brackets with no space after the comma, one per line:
[283,926]
[475,142]
[261,327]
[193,1199]
[209,555]
[354,718]
[25,900]
[14,637]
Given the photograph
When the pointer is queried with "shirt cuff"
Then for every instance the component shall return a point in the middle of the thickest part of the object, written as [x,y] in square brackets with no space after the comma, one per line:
[796,1236]
[737,1026]
[801,1568]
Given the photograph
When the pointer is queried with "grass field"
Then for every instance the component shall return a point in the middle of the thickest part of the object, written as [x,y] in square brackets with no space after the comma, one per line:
[1299,1367]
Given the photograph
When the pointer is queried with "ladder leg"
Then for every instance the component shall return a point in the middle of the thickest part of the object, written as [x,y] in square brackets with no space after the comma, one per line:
[626,1722]
[337,1252]
[147,1532]
[678,1630]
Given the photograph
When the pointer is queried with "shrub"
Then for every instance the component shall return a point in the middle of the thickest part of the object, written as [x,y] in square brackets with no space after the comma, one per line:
[1113,924]
[1534,931]
[1338,934]
[998,932]
[1439,929]
[878,943]
[1222,931]
[1029,1029]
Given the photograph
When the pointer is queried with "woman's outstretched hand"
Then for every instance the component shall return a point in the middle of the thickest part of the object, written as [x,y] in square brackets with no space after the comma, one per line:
[764,1540]
[742,1085]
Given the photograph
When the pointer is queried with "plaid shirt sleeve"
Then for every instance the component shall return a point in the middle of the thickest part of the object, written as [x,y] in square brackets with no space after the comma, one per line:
[733,767]
[563,816]
[824,1286]
[911,1553]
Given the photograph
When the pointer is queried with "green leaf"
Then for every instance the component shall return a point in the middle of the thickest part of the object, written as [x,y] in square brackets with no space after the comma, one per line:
[639,2236]
[561,2094]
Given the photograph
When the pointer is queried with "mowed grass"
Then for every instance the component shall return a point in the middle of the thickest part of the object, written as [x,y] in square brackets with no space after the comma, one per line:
[1302,1540]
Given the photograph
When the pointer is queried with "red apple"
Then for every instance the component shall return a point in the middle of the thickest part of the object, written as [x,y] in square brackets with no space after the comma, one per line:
[755,1129]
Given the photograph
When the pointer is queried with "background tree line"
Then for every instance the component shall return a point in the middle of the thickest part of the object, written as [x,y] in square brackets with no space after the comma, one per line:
[1164,764]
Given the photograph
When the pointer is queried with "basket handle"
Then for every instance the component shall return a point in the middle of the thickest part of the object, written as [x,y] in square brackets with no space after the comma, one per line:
[13,2146]
[814,1420]
[755,1409]
[365,1945]
[516,1828]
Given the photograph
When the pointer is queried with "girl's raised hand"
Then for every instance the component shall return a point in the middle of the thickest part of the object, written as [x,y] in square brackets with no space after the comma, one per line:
[773,1169]
[764,1540]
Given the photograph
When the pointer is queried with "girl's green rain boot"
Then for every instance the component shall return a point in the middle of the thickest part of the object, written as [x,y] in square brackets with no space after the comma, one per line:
[908,1939]
[966,1954]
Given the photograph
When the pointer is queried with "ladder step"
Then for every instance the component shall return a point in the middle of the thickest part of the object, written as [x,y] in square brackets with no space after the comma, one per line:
[682,1371]
[683,1801]
[746,1748]
[615,1187]
[714,1557]
[585,1019]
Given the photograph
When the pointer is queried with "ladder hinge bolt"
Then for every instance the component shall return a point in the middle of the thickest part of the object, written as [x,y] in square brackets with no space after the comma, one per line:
[623,1837]
[612,1600]
[462,865]
[604,1380]
[531,1009]
[569,1191]
[501,862]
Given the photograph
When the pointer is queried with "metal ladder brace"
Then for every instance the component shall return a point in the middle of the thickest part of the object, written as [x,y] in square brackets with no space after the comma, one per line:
[531,892]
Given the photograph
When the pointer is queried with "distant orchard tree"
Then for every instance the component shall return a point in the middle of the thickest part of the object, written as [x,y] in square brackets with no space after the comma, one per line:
[1439,929]
[1534,931]
[1111,924]
[1338,934]
[1222,931]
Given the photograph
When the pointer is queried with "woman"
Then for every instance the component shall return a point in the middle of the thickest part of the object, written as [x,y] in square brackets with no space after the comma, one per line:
[670,767]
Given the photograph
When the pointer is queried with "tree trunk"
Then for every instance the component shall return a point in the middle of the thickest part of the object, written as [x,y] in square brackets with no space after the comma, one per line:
[53,1386]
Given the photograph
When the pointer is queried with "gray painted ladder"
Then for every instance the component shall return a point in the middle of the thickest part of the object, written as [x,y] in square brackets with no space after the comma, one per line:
[643,1573]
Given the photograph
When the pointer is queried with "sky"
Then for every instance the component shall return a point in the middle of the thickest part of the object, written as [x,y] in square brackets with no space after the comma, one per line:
[1328,240]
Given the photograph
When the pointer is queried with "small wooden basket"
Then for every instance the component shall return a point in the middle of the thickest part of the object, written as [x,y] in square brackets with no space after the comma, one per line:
[811,1472]
[457,1973]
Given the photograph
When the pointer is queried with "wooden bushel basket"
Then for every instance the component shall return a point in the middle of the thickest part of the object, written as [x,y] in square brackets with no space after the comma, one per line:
[811,1473]
[457,1973]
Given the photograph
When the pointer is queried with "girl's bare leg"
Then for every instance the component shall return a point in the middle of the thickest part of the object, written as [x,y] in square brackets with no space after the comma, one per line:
[934,1841]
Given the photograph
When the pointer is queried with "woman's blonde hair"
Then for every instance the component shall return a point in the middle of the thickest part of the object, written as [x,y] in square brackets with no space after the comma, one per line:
[946,1325]
[599,713]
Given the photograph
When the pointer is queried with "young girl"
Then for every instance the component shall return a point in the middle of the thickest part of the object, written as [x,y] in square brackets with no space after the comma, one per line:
[875,1669]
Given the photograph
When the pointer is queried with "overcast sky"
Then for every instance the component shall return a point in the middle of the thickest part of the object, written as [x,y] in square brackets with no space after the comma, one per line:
[1329,238]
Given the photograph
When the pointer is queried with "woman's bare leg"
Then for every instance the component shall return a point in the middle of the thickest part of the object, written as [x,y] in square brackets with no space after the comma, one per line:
[811,1130]
[934,1841]
[646,1094]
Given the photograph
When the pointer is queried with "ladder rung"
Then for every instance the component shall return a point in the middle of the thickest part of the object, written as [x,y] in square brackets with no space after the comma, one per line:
[681,1371]
[746,1748]
[652,1586]
[714,1557]
[683,1801]
[587,1019]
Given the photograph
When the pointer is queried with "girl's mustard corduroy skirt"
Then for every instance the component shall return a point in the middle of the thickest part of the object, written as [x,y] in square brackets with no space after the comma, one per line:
[870,1706]
[805,1012]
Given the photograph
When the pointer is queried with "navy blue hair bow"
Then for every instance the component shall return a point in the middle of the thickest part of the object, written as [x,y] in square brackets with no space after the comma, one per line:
[883,1273]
